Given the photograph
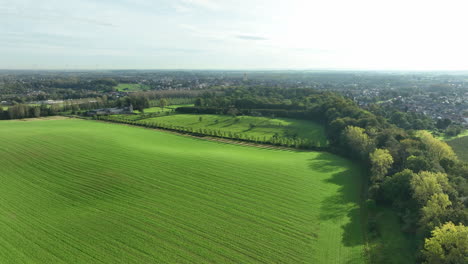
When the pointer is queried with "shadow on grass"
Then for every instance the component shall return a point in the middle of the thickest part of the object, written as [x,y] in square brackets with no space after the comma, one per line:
[345,203]
[214,123]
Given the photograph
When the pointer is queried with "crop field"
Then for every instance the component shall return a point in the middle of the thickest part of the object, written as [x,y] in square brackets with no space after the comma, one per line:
[460,146]
[78,191]
[249,125]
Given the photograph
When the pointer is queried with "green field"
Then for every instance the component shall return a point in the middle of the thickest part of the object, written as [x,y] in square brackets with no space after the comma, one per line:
[460,146]
[391,245]
[447,138]
[77,191]
[253,126]
[124,87]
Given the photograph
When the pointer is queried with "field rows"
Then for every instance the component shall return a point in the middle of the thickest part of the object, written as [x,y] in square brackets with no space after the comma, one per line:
[76,191]
[261,127]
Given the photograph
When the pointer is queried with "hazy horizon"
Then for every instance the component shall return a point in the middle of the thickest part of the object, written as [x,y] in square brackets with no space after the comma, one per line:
[335,35]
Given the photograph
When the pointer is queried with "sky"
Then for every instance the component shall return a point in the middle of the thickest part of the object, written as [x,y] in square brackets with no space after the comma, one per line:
[234,34]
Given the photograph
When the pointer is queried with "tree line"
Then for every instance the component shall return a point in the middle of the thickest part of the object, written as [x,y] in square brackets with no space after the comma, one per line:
[410,171]
[296,142]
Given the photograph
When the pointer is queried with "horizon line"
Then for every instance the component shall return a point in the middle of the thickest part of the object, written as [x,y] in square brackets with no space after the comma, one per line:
[235,69]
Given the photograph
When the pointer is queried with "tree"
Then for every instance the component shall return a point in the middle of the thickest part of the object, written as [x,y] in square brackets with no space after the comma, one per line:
[425,184]
[400,119]
[435,148]
[434,212]
[138,102]
[381,161]
[418,163]
[163,103]
[232,112]
[453,130]
[44,110]
[357,140]
[18,111]
[199,102]
[443,123]
[54,109]
[397,188]
[36,111]
[448,244]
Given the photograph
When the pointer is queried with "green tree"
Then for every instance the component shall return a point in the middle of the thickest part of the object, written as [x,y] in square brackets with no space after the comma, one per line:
[425,184]
[18,111]
[448,244]
[232,112]
[443,123]
[381,161]
[397,188]
[199,102]
[418,163]
[434,212]
[36,111]
[357,140]
[435,148]
[163,103]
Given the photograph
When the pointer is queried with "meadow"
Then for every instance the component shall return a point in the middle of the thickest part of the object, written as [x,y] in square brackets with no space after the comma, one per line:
[391,245]
[258,127]
[78,191]
[460,146]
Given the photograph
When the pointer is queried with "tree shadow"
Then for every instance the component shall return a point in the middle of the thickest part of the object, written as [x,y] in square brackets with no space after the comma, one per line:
[248,129]
[346,203]
[228,124]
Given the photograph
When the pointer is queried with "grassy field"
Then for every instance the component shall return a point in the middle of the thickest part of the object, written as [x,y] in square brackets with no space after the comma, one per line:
[460,146]
[254,126]
[447,138]
[124,87]
[77,191]
[392,245]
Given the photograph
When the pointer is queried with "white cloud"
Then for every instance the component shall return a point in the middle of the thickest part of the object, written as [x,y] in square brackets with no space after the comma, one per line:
[238,33]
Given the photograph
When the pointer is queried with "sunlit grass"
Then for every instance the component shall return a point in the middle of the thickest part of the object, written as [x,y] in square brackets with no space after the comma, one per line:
[76,191]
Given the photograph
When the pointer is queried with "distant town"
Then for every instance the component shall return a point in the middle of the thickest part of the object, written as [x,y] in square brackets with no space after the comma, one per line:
[434,95]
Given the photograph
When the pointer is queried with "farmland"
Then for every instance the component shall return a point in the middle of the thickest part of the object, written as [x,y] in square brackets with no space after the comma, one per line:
[260,127]
[76,191]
